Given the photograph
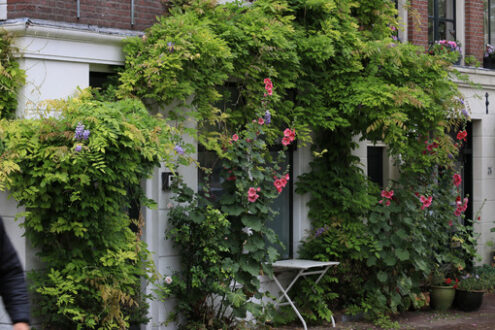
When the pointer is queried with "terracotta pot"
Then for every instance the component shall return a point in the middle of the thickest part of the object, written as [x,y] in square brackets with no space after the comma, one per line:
[468,301]
[442,297]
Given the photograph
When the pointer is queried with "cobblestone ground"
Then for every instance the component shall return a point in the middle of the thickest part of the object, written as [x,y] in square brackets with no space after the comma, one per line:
[484,319]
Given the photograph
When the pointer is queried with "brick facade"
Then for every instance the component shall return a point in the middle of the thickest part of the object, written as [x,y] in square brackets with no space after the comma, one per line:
[103,13]
[417,22]
[475,38]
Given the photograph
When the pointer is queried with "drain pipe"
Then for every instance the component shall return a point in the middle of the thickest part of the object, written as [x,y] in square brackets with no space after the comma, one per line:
[78,4]
[132,12]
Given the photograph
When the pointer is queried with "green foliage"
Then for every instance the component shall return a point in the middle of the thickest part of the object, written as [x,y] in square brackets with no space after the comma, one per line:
[76,188]
[223,238]
[470,60]
[11,77]
[339,74]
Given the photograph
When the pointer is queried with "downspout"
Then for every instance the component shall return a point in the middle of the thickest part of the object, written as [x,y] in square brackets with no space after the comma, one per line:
[132,12]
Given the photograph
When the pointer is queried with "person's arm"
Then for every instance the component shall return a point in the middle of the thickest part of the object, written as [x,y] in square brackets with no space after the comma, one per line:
[12,283]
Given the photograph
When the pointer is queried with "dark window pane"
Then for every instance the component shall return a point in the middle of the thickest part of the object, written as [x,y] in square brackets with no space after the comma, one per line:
[375,165]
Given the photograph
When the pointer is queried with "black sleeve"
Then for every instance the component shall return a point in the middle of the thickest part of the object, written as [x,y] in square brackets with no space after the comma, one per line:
[12,283]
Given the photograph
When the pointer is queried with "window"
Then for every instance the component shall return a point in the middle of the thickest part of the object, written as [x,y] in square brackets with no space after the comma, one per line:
[375,164]
[441,20]
[489,22]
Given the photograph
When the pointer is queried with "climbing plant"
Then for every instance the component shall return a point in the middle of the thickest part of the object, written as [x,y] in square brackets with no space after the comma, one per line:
[11,77]
[340,74]
[78,172]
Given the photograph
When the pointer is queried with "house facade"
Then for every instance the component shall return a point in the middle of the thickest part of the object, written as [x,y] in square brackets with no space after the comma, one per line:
[66,45]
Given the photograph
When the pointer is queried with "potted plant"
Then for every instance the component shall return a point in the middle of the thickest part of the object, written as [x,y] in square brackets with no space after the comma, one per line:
[469,293]
[449,49]
[489,58]
[442,291]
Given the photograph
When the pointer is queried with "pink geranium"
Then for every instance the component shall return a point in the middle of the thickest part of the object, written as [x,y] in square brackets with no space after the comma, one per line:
[235,137]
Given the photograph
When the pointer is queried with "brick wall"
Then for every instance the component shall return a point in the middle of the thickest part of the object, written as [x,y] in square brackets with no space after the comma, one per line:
[104,13]
[417,22]
[475,43]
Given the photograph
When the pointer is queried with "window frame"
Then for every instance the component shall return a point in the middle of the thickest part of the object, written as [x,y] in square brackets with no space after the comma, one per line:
[436,19]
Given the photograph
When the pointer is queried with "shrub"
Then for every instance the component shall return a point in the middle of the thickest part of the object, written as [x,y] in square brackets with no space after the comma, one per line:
[79,171]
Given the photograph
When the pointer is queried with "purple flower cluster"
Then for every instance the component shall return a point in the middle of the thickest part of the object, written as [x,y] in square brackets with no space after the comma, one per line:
[81,133]
[179,149]
[268,117]
[78,148]
[320,231]
[170,46]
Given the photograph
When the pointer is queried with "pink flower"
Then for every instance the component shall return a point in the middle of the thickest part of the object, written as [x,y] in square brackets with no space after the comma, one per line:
[251,191]
[168,280]
[387,203]
[261,121]
[387,194]
[381,201]
[457,179]
[285,141]
[451,223]
[252,194]
[462,135]
[268,85]
[235,137]
[284,182]
[426,201]
[287,177]
[278,184]
[290,133]
[253,199]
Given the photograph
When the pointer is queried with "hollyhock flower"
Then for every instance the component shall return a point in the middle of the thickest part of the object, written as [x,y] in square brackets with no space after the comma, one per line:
[462,135]
[284,182]
[457,212]
[248,231]
[285,141]
[387,194]
[451,223]
[179,150]
[380,201]
[253,199]
[457,179]
[231,178]
[291,134]
[235,137]
[448,281]
[278,185]
[426,201]
[287,177]
[251,191]
[268,86]
[168,280]
[261,121]
[387,203]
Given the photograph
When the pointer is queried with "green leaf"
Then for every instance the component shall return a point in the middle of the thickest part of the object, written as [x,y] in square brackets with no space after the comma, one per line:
[402,254]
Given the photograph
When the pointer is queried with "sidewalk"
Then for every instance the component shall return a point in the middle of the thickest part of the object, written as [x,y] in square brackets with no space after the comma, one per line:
[484,319]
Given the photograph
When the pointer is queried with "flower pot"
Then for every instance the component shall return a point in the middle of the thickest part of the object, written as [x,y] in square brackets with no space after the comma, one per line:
[442,297]
[468,301]
[488,63]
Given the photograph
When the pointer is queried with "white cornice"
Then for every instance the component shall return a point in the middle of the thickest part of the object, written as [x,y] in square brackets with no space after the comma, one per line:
[58,41]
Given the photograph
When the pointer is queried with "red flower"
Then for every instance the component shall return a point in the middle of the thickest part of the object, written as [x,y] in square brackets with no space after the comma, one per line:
[451,223]
[462,135]
[278,184]
[448,281]
[252,194]
[457,179]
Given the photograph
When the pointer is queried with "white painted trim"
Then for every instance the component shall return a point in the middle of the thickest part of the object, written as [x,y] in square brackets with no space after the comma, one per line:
[402,11]
[3,9]
[460,22]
